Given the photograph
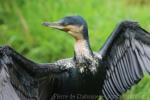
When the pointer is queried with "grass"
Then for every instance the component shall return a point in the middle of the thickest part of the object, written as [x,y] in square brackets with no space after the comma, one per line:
[20,27]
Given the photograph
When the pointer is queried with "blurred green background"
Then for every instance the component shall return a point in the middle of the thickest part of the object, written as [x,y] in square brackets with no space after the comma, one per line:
[20,27]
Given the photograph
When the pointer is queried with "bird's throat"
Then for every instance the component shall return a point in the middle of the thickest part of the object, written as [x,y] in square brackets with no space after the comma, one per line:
[83,50]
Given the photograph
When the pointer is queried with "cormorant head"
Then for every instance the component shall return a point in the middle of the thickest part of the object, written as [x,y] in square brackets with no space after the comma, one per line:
[74,25]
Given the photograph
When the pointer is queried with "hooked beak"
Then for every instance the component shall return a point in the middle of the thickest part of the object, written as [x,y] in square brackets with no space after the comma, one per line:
[56,25]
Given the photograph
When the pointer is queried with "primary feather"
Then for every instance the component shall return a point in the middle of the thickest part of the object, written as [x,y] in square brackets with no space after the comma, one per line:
[127,57]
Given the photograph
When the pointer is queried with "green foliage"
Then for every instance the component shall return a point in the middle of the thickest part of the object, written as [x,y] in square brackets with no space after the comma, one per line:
[20,27]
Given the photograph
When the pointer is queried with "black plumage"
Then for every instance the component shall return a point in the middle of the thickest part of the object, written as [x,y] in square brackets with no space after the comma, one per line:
[119,64]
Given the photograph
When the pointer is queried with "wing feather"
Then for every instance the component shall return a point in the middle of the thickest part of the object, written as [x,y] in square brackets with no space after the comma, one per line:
[127,57]
[22,79]
[15,84]
[6,89]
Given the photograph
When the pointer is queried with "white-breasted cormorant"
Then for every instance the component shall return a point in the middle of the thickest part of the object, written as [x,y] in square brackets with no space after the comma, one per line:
[119,64]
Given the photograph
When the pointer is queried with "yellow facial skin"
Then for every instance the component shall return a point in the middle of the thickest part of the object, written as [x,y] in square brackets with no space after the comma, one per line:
[75,31]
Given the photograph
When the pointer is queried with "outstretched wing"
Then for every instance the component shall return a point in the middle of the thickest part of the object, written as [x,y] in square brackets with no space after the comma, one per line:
[15,82]
[22,79]
[127,56]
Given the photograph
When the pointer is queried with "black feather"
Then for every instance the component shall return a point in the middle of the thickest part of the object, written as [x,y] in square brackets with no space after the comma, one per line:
[128,50]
